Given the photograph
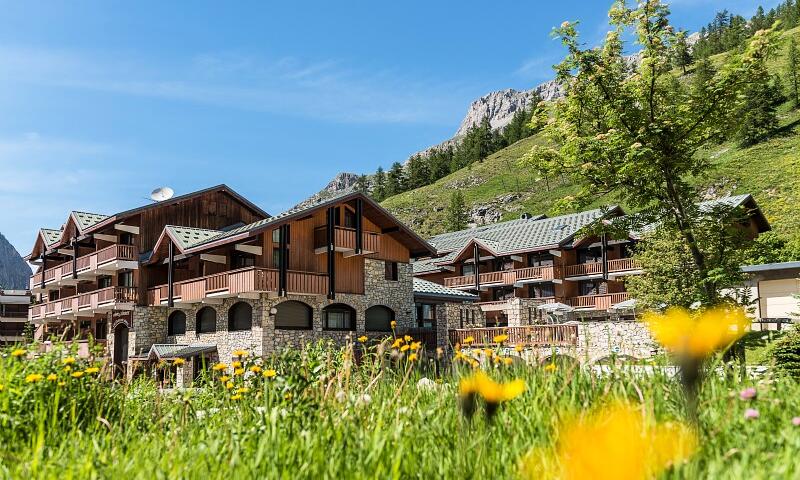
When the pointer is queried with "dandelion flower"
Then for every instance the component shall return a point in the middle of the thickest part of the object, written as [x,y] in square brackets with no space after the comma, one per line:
[2,387]
[18,353]
[224,378]
[493,393]
[92,370]
[393,324]
[416,345]
[270,373]
[236,364]
[363,339]
[77,374]
[697,336]
[518,347]
[68,361]
[240,353]
[68,368]
[255,369]
[52,377]
[412,357]
[33,377]
[239,371]
[500,338]
[219,367]
[408,338]
[178,362]
[405,348]
[397,343]
[242,390]
[468,340]
[508,361]
[617,442]
[62,383]
[551,367]
[236,397]
[229,385]
[488,351]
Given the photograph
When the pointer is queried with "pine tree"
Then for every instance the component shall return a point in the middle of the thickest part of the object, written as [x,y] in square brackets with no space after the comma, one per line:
[682,56]
[379,190]
[793,67]
[757,116]
[457,216]
[362,184]
[395,180]
[419,173]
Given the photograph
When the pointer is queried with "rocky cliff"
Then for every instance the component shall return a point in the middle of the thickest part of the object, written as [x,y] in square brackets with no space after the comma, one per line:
[341,182]
[14,271]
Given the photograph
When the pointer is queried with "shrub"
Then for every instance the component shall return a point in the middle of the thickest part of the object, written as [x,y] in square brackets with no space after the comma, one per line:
[786,352]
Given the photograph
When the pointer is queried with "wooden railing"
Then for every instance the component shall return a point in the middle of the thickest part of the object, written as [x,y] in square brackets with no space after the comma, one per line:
[86,262]
[346,238]
[583,269]
[536,273]
[600,302]
[504,277]
[234,282]
[622,264]
[83,347]
[461,281]
[88,300]
[530,335]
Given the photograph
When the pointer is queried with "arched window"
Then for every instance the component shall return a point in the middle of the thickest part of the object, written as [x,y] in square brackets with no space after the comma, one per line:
[206,320]
[176,323]
[240,316]
[338,317]
[292,315]
[379,319]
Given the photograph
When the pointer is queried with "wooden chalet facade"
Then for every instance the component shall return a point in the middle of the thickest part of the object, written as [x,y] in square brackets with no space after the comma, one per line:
[13,315]
[519,265]
[211,268]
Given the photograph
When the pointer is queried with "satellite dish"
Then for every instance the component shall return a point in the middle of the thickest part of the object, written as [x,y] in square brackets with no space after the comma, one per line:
[161,193]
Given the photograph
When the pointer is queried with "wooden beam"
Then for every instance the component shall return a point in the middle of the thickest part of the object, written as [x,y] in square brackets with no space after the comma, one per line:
[207,257]
[516,258]
[476,258]
[103,236]
[390,230]
[127,228]
[555,253]
[175,258]
[359,227]
[170,275]
[331,249]
[74,258]
[66,251]
[252,249]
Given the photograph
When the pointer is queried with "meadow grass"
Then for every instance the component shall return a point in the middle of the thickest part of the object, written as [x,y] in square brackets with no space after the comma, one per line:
[323,416]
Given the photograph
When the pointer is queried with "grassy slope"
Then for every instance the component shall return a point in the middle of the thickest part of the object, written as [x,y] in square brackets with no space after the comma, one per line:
[770,171]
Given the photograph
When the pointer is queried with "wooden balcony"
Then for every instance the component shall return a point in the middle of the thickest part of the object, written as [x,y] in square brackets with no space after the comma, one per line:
[623,265]
[345,241]
[505,277]
[464,281]
[583,269]
[498,305]
[89,303]
[107,260]
[598,302]
[83,347]
[529,335]
[531,274]
[242,282]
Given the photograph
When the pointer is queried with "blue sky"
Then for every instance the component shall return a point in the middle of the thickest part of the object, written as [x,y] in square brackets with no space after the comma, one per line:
[102,101]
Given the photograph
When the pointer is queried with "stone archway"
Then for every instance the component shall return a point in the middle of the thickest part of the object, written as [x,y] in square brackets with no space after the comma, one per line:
[121,332]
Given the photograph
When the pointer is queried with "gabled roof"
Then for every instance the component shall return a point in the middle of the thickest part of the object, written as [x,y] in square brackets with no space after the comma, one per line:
[417,246]
[85,220]
[50,236]
[188,237]
[734,201]
[424,288]
[447,242]
[163,351]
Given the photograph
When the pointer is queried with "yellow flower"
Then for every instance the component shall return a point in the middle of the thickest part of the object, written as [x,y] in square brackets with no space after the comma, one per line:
[270,373]
[239,371]
[488,352]
[18,353]
[2,387]
[224,378]
[92,370]
[61,384]
[236,397]
[68,368]
[397,343]
[242,390]
[404,348]
[408,338]
[219,367]
[52,377]
[229,385]
[460,356]
[551,367]
[236,365]
[33,377]
[468,340]
[77,374]
[519,347]
[500,338]
[68,361]
[618,442]
[412,357]
[393,324]
[255,369]
[241,353]
[178,362]
[697,335]
[363,339]
[491,391]
[508,361]
[416,345]
[497,360]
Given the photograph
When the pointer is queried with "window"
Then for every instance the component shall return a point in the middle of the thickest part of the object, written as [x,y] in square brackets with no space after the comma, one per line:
[540,260]
[101,329]
[240,317]
[391,271]
[349,218]
[379,319]
[338,317]
[591,288]
[103,282]
[293,315]
[503,264]
[206,320]
[541,290]
[242,260]
[52,295]
[467,269]
[176,323]
[276,235]
[426,315]
[125,279]
[126,238]
[590,255]
[276,258]
[503,293]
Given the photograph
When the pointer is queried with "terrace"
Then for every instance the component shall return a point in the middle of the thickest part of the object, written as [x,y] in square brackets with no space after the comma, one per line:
[87,267]
[505,277]
[85,304]
[527,336]
[620,266]
[345,241]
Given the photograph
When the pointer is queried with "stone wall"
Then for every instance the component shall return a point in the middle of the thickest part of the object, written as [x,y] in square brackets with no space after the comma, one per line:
[597,340]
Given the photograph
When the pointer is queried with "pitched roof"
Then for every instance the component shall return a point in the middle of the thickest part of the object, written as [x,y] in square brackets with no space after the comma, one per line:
[450,241]
[50,235]
[165,351]
[188,237]
[771,267]
[86,220]
[425,288]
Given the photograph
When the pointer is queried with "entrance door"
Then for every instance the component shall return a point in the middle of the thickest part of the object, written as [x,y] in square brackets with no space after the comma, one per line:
[120,349]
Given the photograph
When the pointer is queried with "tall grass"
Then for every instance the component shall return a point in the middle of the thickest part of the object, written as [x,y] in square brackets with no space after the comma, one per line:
[325,416]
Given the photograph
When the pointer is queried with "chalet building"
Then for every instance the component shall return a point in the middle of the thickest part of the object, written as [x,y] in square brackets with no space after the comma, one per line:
[516,267]
[209,273]
[13,315]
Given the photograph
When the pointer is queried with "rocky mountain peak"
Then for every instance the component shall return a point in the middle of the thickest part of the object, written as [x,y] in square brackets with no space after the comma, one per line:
[342,182]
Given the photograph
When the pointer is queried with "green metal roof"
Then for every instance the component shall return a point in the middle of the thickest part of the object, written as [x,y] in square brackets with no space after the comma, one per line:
[425,288]
[188,237]
[51,236]
[163,351]
[86,219]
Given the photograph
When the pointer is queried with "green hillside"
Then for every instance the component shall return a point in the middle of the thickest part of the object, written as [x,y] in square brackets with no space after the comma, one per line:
[769,171]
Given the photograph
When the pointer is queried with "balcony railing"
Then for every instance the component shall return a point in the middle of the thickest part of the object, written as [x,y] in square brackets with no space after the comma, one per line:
[345,240]
[504,277]
[530,335]
[623,264]
[599,302]
[97,300]
[84,347]
[236,282]
[581,269]
[90,263]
